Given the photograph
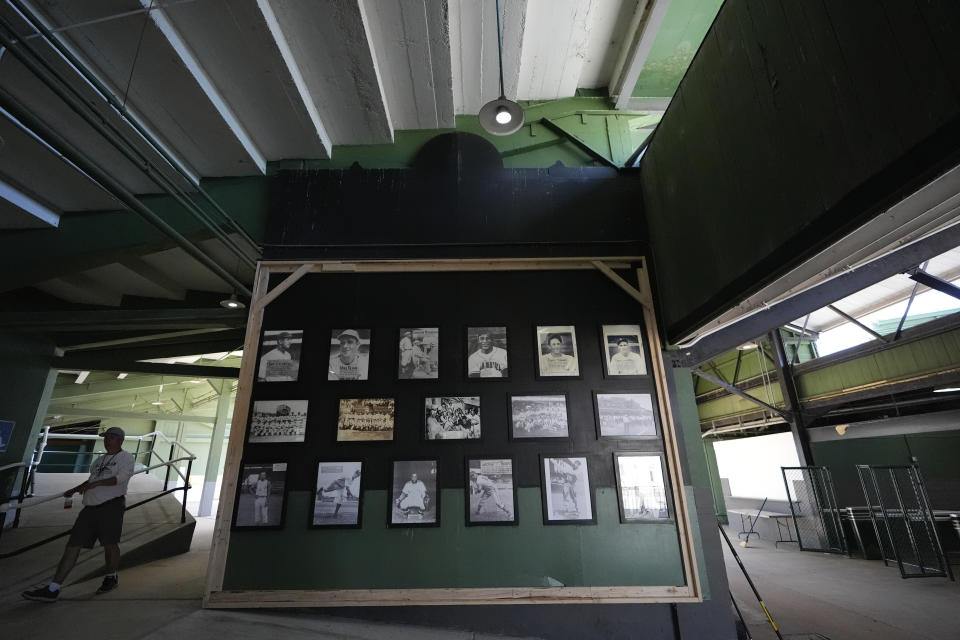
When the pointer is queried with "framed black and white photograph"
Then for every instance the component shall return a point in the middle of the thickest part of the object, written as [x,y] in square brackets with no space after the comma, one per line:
[419,352]
[642,491]
[624,415]
[451,418]
[567,496]
[349,354]
[337,502]
[491,491]
[414,495]
[534,417]
[623,350]
[487,353]
[365,419]
[261,496]
[278,421]
[557,350]
[280,356]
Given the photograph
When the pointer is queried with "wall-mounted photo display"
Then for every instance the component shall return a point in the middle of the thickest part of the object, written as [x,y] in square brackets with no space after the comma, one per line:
[624,415]
[642,491]
[491,491]
[261,496]
[623,350]
[349,354]
[451,418]
[365,419]
[557,348]
[414,495]
[567,494]
[280,356]
[278,421]
[338,499]
[538,416]
[487,353]
[419,353]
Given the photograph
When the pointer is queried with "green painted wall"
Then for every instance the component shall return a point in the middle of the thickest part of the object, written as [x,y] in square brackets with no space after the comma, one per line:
[454,555]
[719,504]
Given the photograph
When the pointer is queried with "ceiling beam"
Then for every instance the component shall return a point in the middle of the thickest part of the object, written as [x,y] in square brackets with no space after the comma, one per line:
[82,289]
[156,277]
[180,370]
[131,415]
[130,384]
[555,39]
[29,204]
[123,319]
[190,61]
[648,19]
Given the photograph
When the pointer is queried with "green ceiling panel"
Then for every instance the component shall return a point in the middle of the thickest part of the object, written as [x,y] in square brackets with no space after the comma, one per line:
[680,35]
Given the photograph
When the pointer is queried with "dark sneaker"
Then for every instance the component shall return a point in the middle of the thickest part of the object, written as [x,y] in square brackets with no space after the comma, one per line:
[43,594]
[109,584]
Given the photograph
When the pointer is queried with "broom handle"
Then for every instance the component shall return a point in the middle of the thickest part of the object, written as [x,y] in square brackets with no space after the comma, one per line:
[749,581]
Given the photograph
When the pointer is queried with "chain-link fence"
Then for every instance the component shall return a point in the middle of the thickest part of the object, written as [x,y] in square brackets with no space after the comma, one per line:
[813,504]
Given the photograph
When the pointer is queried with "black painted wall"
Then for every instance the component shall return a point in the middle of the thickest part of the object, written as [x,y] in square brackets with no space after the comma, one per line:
[787,132]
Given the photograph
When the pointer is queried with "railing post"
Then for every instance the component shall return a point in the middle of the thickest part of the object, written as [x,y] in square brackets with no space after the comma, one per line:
[186,488]
[22,495]
[166,478]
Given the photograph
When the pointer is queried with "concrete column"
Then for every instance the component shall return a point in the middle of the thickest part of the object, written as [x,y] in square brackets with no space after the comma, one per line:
[216,448]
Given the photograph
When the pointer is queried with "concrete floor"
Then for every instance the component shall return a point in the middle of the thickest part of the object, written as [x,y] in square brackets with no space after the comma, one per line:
[838,597]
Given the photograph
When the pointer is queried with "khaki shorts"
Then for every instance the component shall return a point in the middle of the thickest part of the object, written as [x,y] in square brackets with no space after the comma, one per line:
[103,522]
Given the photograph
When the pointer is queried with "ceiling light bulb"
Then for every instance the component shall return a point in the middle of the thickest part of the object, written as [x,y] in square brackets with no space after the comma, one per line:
[156,403]
[232,302]
[503,115]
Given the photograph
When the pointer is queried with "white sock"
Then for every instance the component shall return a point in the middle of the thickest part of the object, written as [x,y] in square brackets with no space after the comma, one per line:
[54,586]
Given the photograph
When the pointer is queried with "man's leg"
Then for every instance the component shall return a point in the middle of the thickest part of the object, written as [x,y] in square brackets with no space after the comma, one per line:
[111,557]
[67,561]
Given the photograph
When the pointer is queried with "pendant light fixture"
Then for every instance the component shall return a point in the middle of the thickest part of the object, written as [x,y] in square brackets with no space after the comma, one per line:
[501,117]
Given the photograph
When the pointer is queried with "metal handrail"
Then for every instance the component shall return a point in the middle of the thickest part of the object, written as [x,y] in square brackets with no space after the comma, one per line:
[34,501]
[13,465]
[90,436]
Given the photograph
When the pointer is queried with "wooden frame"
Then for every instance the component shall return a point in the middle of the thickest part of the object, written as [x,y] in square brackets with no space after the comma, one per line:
[467,492]
[215,596]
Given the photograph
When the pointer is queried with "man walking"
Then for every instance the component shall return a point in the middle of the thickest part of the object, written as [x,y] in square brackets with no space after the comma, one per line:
[101,517]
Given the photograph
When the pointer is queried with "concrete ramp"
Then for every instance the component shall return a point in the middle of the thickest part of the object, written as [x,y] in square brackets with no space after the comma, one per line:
[150,532]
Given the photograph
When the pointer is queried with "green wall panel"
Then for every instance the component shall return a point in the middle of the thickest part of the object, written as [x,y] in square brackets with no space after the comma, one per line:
[454,555]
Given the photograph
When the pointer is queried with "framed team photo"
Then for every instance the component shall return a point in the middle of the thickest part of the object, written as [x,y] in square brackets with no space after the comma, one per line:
[642,492]
[261,496]
[557,351]
[280,356]
[337,501]
[278,421]
[414,495]
[491,491]
[349,354]
[365,419]
[623,350]
[487,353]
[535,417]
[419,352]
[567,496]
[451,418]
[624,415]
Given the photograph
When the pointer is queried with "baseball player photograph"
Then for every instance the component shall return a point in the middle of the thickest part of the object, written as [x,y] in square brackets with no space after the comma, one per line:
[349,354]
[558,351]
[566,490]
[625,415]
[361,419]
[415,500]
[280,359]
[337,498]
[419,349]
[490,491]
[452,418]
[624,350]
[640,487]
[278,421]
[260,503]
[487,352]
[535,417]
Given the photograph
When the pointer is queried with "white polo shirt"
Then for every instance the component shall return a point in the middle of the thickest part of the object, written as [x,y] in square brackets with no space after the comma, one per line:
[109,465]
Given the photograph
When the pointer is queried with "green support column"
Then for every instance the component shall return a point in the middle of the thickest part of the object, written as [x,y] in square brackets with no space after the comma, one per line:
[216,448]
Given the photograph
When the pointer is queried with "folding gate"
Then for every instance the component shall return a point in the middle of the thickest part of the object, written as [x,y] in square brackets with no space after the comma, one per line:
[813,504]
[903,520]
